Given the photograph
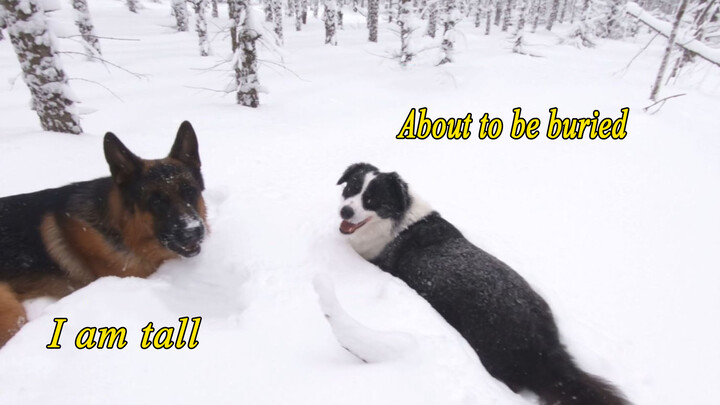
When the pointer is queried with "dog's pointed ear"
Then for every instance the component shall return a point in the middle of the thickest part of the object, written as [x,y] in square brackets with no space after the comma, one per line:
[124,165]
[185,148]
[400,190]
[354,168]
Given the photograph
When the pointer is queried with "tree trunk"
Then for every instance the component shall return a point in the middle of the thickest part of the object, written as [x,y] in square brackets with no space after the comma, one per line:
[267,7]
[278,16]
[298,15]
[668,50]
[42,71]
[615,22]
[507,15]
[214,8]
[179,9]
[132,5]
[201,26]
[582,32]
[519,30]
[448,43]
[373,20]
[538,8]
[85,26]
[404,15]
[232,14]
[488,16]
[522,17]
[330,22]
[553,14]
[477,11]
[498,12]
[245,61]
[432,18]
[339,15]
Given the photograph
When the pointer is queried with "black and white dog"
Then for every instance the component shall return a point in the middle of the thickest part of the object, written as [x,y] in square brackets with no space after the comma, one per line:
[509,325]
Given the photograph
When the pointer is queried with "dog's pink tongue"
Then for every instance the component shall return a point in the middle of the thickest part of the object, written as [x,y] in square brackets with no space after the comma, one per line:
[347,227]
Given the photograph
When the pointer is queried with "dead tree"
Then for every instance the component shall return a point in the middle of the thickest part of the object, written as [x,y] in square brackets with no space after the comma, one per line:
[41,67]
[668,50]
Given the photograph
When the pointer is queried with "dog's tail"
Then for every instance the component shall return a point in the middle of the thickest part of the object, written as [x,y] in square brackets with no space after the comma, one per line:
[565,383]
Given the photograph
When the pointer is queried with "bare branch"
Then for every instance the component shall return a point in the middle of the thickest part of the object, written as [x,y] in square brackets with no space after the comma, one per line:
[105,61]
[637,54]
[99,84]
[99,37]
[661,102]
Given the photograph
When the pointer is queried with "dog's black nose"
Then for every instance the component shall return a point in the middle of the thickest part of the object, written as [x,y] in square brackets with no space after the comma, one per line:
[346,212]
[190,235]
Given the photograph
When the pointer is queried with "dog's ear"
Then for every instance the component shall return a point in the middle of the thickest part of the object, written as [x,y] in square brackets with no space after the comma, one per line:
[399,191]
[124,165]
[354,168]
[185,148]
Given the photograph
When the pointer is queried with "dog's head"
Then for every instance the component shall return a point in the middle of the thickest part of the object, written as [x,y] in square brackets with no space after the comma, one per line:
[371,197]
[166,193]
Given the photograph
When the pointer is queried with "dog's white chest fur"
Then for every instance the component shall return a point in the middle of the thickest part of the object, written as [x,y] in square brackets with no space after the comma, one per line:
[370,240]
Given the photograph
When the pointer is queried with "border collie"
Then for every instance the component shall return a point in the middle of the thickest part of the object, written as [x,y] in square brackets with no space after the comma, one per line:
[506,322]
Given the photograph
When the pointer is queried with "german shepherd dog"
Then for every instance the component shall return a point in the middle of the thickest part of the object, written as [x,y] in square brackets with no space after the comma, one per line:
[507,323]
[54,241]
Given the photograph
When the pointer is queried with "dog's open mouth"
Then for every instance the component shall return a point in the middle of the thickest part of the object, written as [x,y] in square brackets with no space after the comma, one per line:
[348,227]
[189,250]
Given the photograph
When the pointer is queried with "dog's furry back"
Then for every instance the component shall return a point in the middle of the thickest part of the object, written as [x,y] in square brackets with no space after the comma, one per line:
[509,325]
[22,249]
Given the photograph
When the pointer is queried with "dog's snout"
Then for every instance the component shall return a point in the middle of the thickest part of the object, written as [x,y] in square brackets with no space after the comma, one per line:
[188,235]
[346,212]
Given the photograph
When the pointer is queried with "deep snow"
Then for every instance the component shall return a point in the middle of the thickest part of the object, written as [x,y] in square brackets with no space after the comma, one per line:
[620,237]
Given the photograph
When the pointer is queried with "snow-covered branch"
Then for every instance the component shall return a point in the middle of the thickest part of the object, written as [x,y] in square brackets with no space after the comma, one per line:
[664,28]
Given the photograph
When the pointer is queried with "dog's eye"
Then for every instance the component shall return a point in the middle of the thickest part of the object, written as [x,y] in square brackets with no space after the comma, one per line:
[188,193]
[157,202]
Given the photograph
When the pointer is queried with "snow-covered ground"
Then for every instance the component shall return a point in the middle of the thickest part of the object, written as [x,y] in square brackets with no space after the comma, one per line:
[621,237]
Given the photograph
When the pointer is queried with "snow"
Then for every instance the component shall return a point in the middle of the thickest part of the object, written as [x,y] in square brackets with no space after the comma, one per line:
[368,345]
[619,236]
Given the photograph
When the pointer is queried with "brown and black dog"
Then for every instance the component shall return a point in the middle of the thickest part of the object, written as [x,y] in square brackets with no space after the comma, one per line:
[55,241]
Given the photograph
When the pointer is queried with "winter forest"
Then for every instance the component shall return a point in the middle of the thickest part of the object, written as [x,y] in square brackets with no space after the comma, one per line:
[690,28]
[619,236]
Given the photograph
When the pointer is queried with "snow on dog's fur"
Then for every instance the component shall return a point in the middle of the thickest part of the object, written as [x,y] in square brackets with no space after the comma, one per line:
[509,325]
